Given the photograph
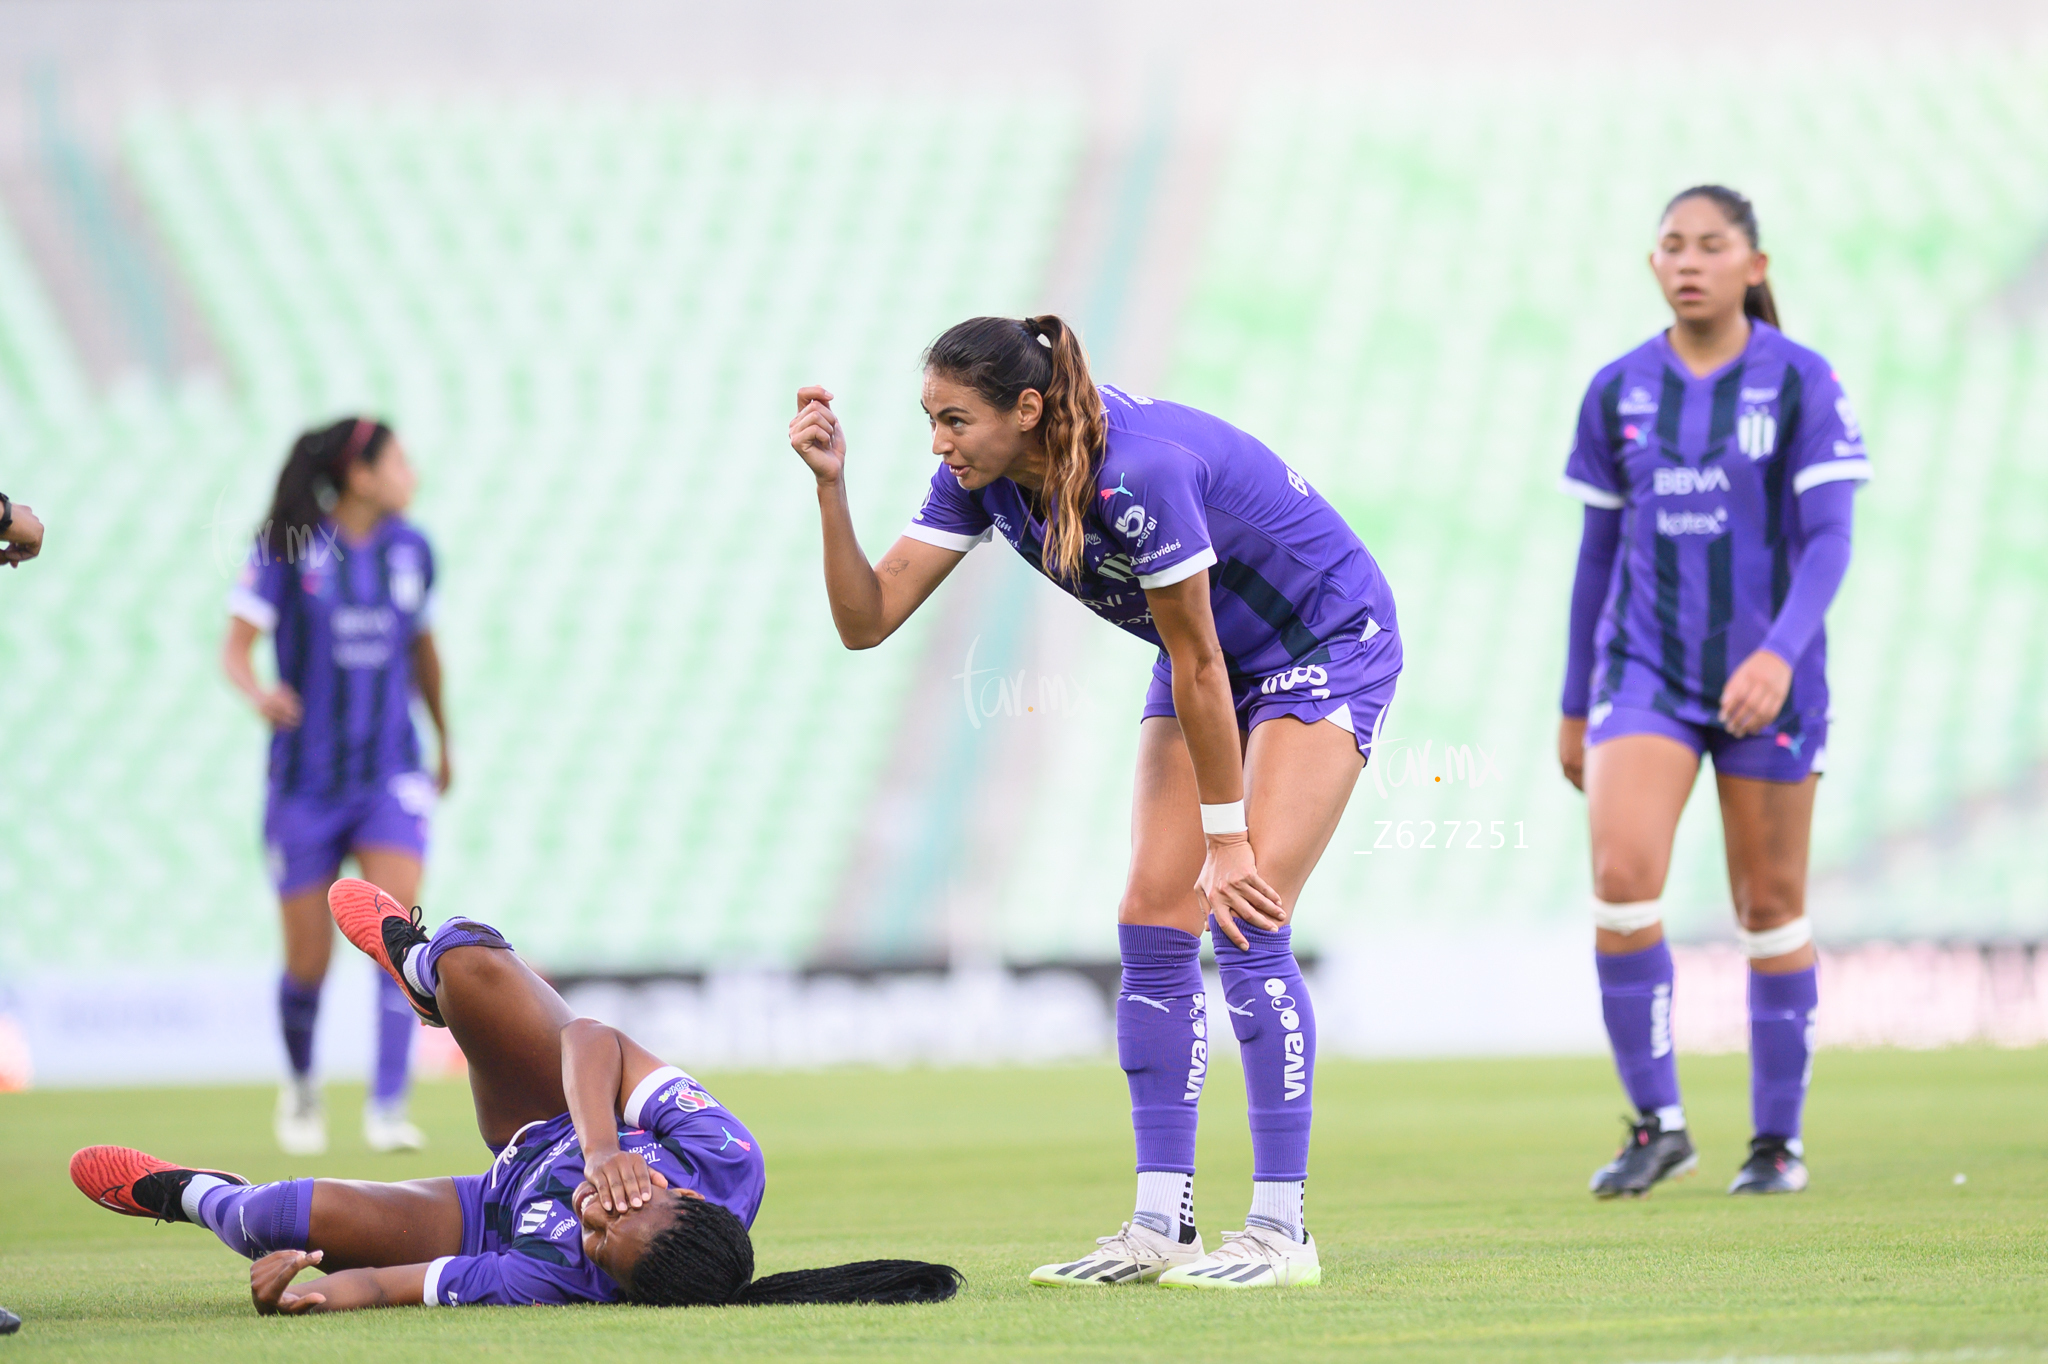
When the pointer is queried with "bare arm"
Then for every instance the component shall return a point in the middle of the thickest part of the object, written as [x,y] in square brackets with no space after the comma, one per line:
[426,677]
[280,704]
[270,1286]
[1208,724]
[601,1067]
[867,603]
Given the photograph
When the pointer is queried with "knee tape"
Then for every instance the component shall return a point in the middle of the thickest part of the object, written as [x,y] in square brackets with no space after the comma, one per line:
[1776,942]
[1628,918]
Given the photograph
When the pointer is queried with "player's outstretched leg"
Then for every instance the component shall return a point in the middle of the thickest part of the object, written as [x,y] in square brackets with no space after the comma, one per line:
[466,978]
[353,1224]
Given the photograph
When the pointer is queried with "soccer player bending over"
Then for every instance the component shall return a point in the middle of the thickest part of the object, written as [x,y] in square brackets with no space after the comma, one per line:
[1278,652]
[617,1178]
[1718,462]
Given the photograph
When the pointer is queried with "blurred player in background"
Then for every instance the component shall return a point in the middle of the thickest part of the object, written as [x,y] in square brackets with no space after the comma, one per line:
[345,584]
[1278,653]
[616,1177]
[1718,462]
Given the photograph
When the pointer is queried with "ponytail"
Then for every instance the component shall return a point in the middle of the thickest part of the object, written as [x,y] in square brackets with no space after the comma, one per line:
[706,1259]
[999,358]
[312,480]
[1741,214]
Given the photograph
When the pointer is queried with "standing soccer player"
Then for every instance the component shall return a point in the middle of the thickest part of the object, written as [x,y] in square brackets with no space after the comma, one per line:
[1718,462]
[1277,654]
[345,585]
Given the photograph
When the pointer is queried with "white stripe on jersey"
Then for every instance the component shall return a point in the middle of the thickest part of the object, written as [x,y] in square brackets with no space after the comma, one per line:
[946,539]
[1590,495]
[1833,471]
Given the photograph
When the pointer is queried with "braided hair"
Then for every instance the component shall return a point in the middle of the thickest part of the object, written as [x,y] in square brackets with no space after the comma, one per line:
[1741,214]
[312,480]
[706,1259]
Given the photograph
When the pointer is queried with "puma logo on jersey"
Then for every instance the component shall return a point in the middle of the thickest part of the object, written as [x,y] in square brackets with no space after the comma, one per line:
[1680,481]
[1638,403]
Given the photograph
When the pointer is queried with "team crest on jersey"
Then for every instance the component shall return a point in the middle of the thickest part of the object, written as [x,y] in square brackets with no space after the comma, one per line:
[1756,433]
[408,578]
[1637,403]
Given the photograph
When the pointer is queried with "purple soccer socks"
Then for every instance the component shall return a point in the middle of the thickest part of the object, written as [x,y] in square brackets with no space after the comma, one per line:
[396,1024]
[252,1219]
[1162,1032]
[1781,1014]
[298,1008]
[1635,999]
[1276,1038]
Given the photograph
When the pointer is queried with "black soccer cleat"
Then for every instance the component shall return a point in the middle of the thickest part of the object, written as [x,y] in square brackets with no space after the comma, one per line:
[1650,1156]
[1773,1167]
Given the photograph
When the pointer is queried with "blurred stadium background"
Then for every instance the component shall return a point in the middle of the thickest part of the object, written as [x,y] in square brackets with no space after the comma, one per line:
[582,256]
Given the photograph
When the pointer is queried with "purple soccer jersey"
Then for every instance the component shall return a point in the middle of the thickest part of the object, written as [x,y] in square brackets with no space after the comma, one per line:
[344,617]
[1707,473]
[521,1240]
[1180,491]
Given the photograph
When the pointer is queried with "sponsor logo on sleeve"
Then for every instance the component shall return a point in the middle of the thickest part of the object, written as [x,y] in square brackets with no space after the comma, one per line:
[1198,1052]
[1852,428]
[1165,549]
[687,1095]
[1135,525]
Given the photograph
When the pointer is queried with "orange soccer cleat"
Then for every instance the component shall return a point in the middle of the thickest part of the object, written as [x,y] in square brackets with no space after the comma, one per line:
[135,1184]
[384,933]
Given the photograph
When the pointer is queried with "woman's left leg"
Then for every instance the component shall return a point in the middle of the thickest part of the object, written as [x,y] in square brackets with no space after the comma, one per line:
[1298,779]
[1768,827]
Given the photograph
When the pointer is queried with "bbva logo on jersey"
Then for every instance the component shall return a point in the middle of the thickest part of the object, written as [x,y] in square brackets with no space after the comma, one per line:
[1680,481]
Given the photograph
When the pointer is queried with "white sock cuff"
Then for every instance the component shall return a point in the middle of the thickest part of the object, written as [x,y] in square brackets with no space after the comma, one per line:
[1671,1118]
[1632,917]
[1279,1202]
[197,1188]
[1168,1193]
[1776,942]
[410,968]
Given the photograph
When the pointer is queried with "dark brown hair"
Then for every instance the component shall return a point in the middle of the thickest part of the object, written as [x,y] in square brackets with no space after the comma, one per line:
[312,479]
[999,358]
[1741,214]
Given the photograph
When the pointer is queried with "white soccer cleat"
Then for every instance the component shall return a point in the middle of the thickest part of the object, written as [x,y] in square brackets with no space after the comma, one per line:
[388,1129]
[1252,1258]
[1134,1255]
[301,1119]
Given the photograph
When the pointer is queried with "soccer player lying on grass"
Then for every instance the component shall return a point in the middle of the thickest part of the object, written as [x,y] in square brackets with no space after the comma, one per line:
[616,1177]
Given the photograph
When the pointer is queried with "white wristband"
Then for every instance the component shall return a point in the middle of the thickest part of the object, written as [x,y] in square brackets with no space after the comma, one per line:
[1223,819]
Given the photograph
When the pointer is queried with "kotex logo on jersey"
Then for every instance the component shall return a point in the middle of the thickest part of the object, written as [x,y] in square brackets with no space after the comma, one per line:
[1714,522]
[1682,481]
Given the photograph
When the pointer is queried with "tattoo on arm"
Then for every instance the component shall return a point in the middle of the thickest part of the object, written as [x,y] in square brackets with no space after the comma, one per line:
[894,567]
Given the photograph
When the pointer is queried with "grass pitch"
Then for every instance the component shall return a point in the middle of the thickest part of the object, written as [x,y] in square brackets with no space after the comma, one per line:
[1448,1199]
